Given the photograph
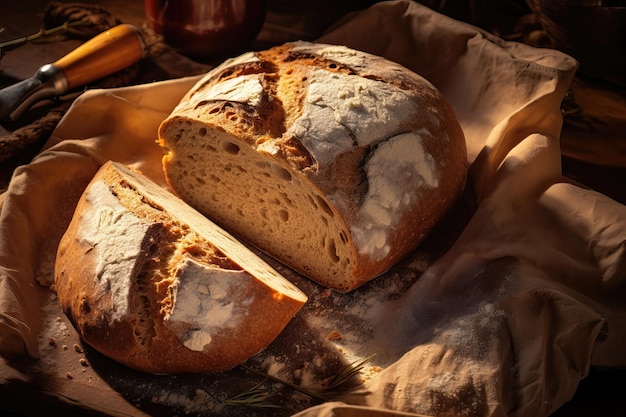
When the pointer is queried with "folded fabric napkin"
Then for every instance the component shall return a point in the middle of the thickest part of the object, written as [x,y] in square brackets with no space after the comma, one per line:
[526,294]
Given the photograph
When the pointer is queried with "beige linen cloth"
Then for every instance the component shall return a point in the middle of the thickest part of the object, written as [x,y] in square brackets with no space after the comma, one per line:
[505,323]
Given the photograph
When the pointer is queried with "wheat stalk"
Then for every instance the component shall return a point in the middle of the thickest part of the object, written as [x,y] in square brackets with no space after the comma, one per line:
[340,382]
[255,397]
[336,385]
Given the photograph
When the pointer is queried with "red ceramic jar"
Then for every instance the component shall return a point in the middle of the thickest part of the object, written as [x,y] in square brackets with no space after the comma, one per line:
[206,29]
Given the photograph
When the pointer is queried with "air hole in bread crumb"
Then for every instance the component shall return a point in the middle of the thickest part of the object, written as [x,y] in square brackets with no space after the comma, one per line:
[202,131]
[263,164]
[332,66]
[284,215]
[332,251]
[286,199]
[322,203]
[144,326]
[282,173]
[200,181]
[230,148]
[344,238]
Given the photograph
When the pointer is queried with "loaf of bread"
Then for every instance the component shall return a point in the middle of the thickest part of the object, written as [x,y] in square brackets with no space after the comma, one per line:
[150,282]
[335,162]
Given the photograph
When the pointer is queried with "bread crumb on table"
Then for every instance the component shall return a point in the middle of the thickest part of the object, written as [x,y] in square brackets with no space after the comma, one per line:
[334,335]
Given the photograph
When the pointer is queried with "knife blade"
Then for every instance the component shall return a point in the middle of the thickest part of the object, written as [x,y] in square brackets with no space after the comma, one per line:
[105,54]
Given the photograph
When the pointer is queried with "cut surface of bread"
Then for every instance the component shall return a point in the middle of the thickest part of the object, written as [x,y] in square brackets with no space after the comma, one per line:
[151,283]
[335,162]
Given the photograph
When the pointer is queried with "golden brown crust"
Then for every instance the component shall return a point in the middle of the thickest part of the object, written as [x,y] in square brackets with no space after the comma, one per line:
[434,204]
[140,338]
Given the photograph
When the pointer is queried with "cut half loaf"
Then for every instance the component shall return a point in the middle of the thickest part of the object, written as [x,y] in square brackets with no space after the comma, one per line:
[336,162]
[151,283]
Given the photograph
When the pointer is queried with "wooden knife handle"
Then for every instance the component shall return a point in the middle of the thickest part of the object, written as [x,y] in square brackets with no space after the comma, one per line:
[109,52]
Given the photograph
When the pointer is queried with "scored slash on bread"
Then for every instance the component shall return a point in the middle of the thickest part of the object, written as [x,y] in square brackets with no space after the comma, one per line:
[151,283]
[335,162]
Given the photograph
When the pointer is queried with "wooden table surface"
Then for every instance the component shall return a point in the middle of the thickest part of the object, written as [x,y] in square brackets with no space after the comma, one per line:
[593,148]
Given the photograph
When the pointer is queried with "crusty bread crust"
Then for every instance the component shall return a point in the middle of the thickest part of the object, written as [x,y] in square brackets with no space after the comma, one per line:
[335,162]
[124,264]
